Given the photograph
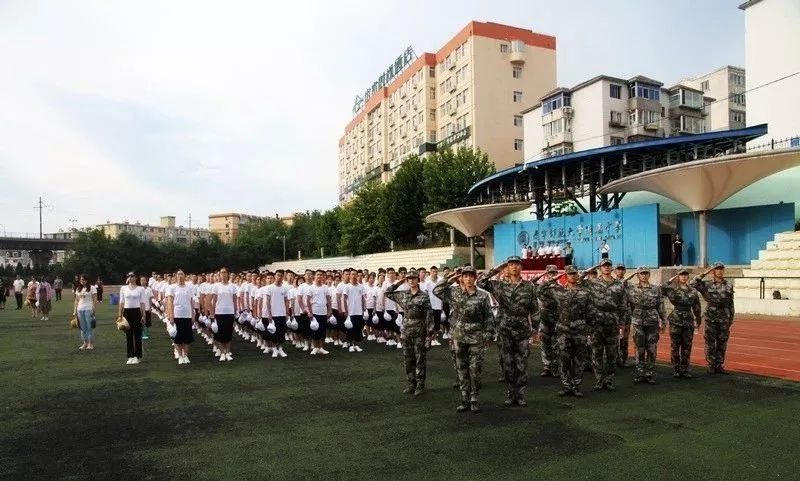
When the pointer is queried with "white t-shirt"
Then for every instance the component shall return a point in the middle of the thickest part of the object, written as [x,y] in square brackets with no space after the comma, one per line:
[605,248]
[557,250]
[277,295]
[340,290]
[297,293]
[146,296]
[19,285]
[319,301]
[225,294]
[372,295]
[540,251]
[151,282]
[132,297]
[548,250]
[85,300]
[355,298]
[182,300]
[436,303]
[388,304]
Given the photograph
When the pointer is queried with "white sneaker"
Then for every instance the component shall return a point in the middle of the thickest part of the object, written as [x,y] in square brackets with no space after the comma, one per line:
[217,352]
[130,360]
[358,349]
[370,337]
[136,360]
[391,342]
[274,353]
[180,360]
[435,343]
[222,359]
[345,345]
[229,356]
[314,351]
[281,353]
[352,349]
[328,340]
[381,340]
[323,351]
[336,342]
[399,345]
[186,360]
[305,348]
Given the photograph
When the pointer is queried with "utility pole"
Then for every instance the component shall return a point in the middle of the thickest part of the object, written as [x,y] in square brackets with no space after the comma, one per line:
[190,227]
[40,206]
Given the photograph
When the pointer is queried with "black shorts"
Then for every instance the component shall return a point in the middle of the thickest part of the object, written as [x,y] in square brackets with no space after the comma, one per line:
[280,329]
[224,328]
[185,334]
[339,321]
[368,319]
[390,325]
[379,325]
[356,333]
[319,334]
[303,325]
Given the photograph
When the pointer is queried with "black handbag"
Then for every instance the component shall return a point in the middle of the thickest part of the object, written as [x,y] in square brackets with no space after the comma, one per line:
[94,322]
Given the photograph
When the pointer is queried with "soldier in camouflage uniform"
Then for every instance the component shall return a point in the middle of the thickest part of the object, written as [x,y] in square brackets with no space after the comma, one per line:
[609,300]
[718,315]
[417,328]
[647,320]
[625,324]
[590,274]
[548,318]
[518,305]
[575,313]
[686,313]
[472,330]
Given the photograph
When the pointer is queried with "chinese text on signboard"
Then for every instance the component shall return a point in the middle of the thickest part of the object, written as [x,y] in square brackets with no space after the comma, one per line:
[393,71]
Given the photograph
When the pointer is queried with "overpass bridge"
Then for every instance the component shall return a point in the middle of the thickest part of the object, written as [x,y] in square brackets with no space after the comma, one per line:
[32,242]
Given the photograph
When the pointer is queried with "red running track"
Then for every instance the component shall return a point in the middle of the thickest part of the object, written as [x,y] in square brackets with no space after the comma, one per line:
[762,345]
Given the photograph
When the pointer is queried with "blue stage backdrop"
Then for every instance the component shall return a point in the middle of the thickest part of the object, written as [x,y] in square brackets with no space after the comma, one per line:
[735,235]
[631,232]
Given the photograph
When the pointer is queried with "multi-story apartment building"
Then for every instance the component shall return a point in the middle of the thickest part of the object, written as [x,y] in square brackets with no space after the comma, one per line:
[167,231]
[726,86]
[607,110]
[226,226]
[469,93]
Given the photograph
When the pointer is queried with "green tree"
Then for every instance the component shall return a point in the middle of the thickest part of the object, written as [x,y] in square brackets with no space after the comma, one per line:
[449,175]
[404,201]
[327,230]
[359,221]
[258,243]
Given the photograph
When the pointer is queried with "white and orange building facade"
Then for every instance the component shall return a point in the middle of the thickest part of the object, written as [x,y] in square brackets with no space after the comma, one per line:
[470,93]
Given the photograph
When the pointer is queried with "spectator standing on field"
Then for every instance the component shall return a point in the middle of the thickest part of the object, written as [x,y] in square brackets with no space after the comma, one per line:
[58,286]
[19,286]
[44,299]
[99,287]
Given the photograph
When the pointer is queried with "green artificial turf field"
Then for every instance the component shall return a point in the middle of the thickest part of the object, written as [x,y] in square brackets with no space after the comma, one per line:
[69,414]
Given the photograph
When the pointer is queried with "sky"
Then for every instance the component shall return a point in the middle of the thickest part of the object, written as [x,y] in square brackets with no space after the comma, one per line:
[131,110]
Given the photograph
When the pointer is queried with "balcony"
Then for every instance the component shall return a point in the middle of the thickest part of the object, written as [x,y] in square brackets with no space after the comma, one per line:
[559,138]
[517,58]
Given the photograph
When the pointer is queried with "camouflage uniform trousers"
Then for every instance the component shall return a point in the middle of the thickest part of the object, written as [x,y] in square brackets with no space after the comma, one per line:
[547,329]
[680,346]
[571,347]
[605,343]
[645,338]
[716,336]
[415,354]
[514,354]
[624,335]
[469,361]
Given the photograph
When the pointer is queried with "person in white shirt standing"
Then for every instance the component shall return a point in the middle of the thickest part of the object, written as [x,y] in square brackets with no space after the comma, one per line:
[371,296]
[355,298]
[180,313]
[147,297]
[436,303]
[19,287]
[390,307]
[131,307]
[224,304]
[318,305]
[605,250]
[276,302]
[85,295]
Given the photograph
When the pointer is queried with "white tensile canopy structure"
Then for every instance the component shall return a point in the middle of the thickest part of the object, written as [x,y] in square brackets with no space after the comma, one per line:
[702,185]
[473,221]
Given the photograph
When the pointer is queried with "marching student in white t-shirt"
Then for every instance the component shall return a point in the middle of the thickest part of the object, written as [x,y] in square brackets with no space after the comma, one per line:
[147,297]
[265,340]
[319,305]
[378,329]
[371,293]
[389,307]
[436,303]
[224,304]
[131,307]
[338,329]
[180,313]
[354,302]
[277,308]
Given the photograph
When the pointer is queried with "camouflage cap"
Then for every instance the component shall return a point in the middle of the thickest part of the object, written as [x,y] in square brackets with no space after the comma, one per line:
[684,272]
[620,267]
[551,268]
[570,270]
[606,262]
[643,269]
[412,273]
[719,265]
[513,259]
[468,270]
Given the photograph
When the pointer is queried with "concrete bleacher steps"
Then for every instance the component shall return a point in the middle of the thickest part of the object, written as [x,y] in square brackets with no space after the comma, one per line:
[438,256]
[779,267]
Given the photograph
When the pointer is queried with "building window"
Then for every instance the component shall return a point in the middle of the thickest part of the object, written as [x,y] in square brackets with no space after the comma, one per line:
[432,72]
[615,91]
[652,116]
[738,99]
[433,93]
[516,71]
[645,91]
[737,79]
[517,96]
[555,103]
[616,117]
[617,140]
[704,85]
[738,117]
[517,121]
[553,128]
[503,48]
[517,144]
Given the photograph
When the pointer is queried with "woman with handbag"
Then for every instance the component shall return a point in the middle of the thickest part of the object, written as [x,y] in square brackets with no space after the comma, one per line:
[131,307]
[84,310]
